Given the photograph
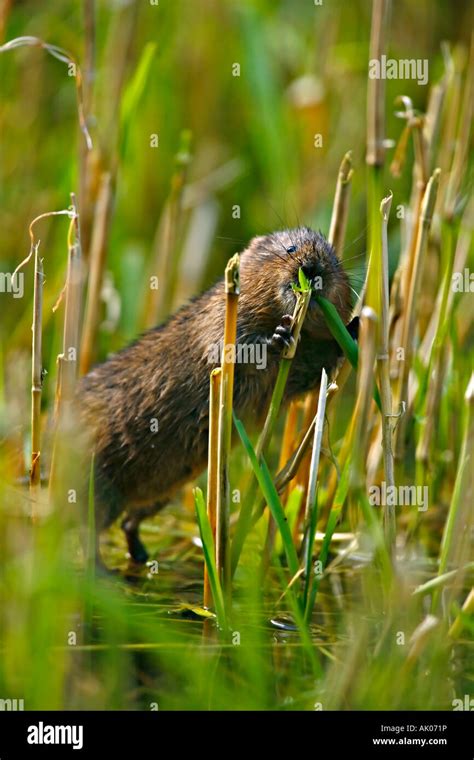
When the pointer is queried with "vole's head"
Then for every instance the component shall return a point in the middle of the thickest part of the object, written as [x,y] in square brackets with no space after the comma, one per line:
[272,263]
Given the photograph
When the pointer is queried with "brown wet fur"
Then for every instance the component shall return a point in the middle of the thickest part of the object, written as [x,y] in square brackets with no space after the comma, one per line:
[164,376]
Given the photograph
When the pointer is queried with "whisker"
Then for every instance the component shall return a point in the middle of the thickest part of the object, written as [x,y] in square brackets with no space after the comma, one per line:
[357,295]
[351,258]
[267,252]
[233,240]
[356,239]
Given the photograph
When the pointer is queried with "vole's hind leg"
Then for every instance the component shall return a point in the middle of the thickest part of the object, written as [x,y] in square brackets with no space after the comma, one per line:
[131,527]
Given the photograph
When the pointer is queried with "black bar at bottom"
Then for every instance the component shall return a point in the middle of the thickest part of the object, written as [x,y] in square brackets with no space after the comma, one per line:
[130,734]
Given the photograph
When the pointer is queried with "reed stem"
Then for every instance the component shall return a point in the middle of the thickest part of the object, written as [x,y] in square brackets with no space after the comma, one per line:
[223,557]
[384,379]
[36,379]
[212,470]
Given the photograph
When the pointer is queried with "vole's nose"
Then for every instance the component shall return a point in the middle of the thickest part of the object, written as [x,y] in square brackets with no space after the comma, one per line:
[312,269]
[315,273]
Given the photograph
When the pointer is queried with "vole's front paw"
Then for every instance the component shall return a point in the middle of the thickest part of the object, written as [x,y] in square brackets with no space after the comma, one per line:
[282,337]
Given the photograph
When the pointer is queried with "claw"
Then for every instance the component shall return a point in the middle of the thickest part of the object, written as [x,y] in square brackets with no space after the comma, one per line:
[282,337]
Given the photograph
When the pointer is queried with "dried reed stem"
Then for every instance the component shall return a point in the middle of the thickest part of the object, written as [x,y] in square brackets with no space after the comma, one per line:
[365,382]
[409,324]
[67,360]
[384,375]
[212,470]
[340,209]
[311,503]
[36,377]
[165,253]
[223,559]
[97,257]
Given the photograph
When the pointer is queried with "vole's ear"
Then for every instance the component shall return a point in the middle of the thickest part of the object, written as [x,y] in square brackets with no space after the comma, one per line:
[254,245]
[256,242]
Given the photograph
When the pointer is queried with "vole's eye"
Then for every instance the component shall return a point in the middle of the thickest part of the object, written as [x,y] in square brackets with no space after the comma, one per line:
[291,249]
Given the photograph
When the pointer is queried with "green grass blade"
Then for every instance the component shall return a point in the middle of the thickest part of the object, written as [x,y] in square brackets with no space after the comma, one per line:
[339,330]
[209,555]
[269,491]
[341,334]
[91,527]
[134,92]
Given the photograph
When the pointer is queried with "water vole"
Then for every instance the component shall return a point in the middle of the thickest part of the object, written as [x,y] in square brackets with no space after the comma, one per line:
[146,408]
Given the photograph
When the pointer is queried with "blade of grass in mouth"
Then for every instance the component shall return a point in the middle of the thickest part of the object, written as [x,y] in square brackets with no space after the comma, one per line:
[341,334]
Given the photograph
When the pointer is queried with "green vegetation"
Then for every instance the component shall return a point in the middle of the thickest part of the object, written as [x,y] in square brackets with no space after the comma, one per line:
[169,136]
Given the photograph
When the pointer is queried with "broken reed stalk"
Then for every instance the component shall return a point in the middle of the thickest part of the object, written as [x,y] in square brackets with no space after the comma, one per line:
[316,449]
[409,323]
[311,507]
[367,353]
[223,557]
[383,368]
[214,401]
[245,518]
[36,378]
[97,256]
[67,360]
[340,209]
[415,126]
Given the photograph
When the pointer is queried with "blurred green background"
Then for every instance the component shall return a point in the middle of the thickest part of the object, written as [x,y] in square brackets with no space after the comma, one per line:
[162,70]
[303,71]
